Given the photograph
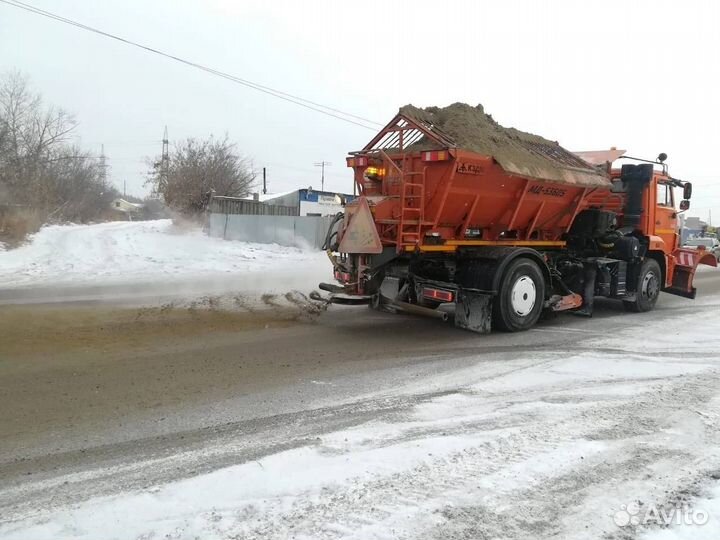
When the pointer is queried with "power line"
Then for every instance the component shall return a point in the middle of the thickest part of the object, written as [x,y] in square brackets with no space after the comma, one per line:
[318,107]
[307,171]
[121,143]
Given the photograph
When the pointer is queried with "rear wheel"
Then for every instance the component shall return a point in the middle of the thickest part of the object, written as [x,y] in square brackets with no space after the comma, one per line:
[520,299]
[648,288]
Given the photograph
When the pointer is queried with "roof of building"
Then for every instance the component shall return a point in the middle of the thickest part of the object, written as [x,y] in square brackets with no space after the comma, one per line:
[692,222]
[271,196]
[128,204]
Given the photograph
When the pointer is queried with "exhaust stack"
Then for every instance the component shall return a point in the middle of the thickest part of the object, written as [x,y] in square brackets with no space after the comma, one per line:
[634,178]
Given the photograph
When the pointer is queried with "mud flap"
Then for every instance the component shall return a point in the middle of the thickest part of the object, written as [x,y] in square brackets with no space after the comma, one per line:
[473,311]
[588,297]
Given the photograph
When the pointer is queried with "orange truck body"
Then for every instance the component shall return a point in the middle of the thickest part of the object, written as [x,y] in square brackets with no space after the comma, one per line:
[444,201]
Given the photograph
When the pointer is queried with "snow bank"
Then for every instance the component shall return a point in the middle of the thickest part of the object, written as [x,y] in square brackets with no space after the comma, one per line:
[120,252]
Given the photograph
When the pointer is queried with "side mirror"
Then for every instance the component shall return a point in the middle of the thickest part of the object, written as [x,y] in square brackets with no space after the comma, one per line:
[684,205]
[687,190]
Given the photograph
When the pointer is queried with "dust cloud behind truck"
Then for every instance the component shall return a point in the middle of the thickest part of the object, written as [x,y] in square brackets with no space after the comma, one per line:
[456,209]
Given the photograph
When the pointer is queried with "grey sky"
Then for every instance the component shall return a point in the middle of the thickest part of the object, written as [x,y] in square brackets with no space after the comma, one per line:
[643,76]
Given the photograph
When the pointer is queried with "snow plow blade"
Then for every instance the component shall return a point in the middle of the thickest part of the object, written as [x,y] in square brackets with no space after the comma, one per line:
[687,261]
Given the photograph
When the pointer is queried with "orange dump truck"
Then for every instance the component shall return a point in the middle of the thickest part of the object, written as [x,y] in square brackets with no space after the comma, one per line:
[456,209]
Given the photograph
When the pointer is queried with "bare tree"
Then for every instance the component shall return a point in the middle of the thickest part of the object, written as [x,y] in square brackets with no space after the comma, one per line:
[40,172]
[198,169]
[30,134]
[76,189]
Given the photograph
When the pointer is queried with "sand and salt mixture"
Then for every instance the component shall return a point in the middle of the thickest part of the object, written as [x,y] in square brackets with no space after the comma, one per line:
[518,152]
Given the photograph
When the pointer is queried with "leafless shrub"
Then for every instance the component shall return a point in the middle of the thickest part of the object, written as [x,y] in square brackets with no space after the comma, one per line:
[199,169]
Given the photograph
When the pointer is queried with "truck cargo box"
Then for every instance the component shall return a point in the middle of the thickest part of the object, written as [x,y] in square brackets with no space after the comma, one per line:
[453,175]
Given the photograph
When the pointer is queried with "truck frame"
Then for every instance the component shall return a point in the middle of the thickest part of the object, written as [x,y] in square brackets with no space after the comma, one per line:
[512,227]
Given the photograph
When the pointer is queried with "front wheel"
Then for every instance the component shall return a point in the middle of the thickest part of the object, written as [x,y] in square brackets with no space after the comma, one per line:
[647,289]
[520,299]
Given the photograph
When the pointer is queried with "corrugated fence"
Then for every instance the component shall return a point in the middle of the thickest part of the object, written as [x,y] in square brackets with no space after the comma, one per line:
[298,231]
[233,205]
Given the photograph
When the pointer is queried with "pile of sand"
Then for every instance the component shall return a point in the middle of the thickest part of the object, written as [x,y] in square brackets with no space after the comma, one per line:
[517,152]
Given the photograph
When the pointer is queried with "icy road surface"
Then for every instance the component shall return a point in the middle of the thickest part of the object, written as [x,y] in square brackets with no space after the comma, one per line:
[366,425]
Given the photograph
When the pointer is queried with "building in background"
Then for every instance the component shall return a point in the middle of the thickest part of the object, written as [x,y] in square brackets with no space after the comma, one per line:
[310,202]
[691,227]
[125,210]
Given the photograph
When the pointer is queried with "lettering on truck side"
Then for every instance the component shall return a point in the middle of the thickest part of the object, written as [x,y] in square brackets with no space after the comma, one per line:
[546,190]
[468,168]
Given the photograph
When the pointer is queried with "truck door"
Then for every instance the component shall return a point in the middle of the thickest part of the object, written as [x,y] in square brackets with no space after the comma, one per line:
[666,216]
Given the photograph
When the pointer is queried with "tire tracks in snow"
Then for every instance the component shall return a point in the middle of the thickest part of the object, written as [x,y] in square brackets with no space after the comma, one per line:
[606,444]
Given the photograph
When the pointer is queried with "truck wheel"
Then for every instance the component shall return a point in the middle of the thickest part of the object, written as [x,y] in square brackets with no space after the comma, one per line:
[521,296]
[648,288]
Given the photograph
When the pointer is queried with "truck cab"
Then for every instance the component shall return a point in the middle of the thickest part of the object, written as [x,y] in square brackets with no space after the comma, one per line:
[661,199]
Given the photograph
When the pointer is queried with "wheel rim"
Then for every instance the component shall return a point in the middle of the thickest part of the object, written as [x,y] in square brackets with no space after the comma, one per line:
[650,286]
[523,295]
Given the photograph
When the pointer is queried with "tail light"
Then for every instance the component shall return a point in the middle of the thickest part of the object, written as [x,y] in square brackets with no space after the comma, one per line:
[437,155]
[343,277]
[374,173]
[357,161]
[437,294]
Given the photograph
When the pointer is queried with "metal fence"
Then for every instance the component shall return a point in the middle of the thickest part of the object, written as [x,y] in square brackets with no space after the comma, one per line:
[306,232]
[235,206]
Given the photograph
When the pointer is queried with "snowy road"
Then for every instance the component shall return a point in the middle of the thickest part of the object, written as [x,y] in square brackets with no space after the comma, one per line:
[365,425]
[160,384]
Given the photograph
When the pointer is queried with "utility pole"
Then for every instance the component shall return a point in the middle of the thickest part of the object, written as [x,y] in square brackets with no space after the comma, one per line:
[103,168]
[164,163]
[264,182]
[322,165]
[124,188]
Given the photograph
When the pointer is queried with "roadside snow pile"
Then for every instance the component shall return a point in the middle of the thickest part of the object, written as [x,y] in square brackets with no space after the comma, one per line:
[119,252]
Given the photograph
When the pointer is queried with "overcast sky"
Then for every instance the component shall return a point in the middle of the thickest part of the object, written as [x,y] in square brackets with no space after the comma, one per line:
[643,76]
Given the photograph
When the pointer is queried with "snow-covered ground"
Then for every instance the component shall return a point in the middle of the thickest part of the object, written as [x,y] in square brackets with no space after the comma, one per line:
[121,252]
[548,444]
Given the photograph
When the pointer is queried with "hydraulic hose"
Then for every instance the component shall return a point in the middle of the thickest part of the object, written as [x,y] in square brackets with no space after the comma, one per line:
[327,245]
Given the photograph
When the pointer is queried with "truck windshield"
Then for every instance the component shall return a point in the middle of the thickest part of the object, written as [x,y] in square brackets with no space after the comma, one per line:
[664,195]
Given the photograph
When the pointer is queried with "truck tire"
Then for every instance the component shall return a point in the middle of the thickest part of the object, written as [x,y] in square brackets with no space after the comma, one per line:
[520,298]
[648,288]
